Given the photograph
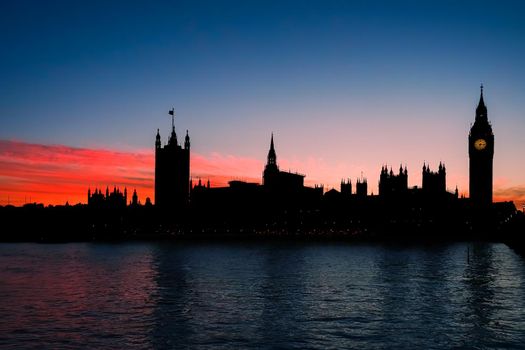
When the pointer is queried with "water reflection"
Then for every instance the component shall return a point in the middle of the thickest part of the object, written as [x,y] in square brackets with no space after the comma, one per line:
[172,295]
[261,296]
[77,295]
[479,294]
[282,296]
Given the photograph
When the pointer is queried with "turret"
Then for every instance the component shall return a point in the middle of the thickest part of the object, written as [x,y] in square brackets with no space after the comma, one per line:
[346,187]
[157,140]
[441,168]
[135,198]
[361,188]
[173,138]
[187,141]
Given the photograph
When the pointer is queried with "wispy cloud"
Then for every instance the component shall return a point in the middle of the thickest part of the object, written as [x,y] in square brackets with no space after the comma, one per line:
[516,194]
[57,173]
[54,174]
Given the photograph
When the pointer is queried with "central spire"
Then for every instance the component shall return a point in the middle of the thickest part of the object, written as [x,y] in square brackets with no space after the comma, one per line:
[272,157]
[173,137]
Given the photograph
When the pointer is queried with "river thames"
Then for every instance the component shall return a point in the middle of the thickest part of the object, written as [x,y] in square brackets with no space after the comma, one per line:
[261,295]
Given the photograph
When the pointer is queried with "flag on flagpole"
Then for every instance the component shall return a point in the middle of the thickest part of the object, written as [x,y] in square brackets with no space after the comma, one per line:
[172,111]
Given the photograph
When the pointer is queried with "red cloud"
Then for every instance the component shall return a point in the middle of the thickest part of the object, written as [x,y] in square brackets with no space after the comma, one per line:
[54,174]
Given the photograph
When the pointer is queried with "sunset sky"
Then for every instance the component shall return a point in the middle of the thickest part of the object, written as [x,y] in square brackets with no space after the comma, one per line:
[345,86]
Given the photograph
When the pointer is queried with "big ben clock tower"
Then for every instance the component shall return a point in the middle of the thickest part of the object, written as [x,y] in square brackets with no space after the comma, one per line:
[481,154]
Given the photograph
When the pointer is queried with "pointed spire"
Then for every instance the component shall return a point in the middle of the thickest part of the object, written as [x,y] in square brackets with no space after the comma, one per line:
[135,197]
[173,137]
[272,157]
[187,141]
[481,110]
[481,101]
[157,139]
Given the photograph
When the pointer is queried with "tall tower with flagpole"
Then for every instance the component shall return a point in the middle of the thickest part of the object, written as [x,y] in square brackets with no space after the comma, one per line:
[172,170]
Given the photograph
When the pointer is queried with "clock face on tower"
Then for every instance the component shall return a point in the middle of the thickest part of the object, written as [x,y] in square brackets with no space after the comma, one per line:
[480,144]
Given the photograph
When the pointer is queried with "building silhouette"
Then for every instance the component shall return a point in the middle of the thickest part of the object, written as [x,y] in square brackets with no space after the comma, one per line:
[346,187]
[280,191]
[391,184]
[134,198]
[434,181]
[114,199]
[172,171]
[283,206]
[481,154]
[361,188]
[277,180]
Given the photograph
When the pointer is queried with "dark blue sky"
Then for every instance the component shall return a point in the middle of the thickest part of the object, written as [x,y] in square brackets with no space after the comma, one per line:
[337,81]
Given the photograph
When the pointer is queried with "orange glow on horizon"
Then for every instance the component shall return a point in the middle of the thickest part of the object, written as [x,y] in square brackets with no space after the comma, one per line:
[54,174]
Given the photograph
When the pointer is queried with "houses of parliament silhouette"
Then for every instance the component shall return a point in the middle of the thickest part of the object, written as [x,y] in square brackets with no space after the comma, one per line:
[282,206]
[175,190]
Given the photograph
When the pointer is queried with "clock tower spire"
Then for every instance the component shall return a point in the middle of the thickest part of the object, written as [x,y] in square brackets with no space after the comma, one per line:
[481,155]
[481,110]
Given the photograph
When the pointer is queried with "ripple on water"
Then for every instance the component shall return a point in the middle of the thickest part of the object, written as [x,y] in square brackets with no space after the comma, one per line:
[147,295]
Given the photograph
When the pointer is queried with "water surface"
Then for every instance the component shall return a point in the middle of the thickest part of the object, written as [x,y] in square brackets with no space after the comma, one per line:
[261,295]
